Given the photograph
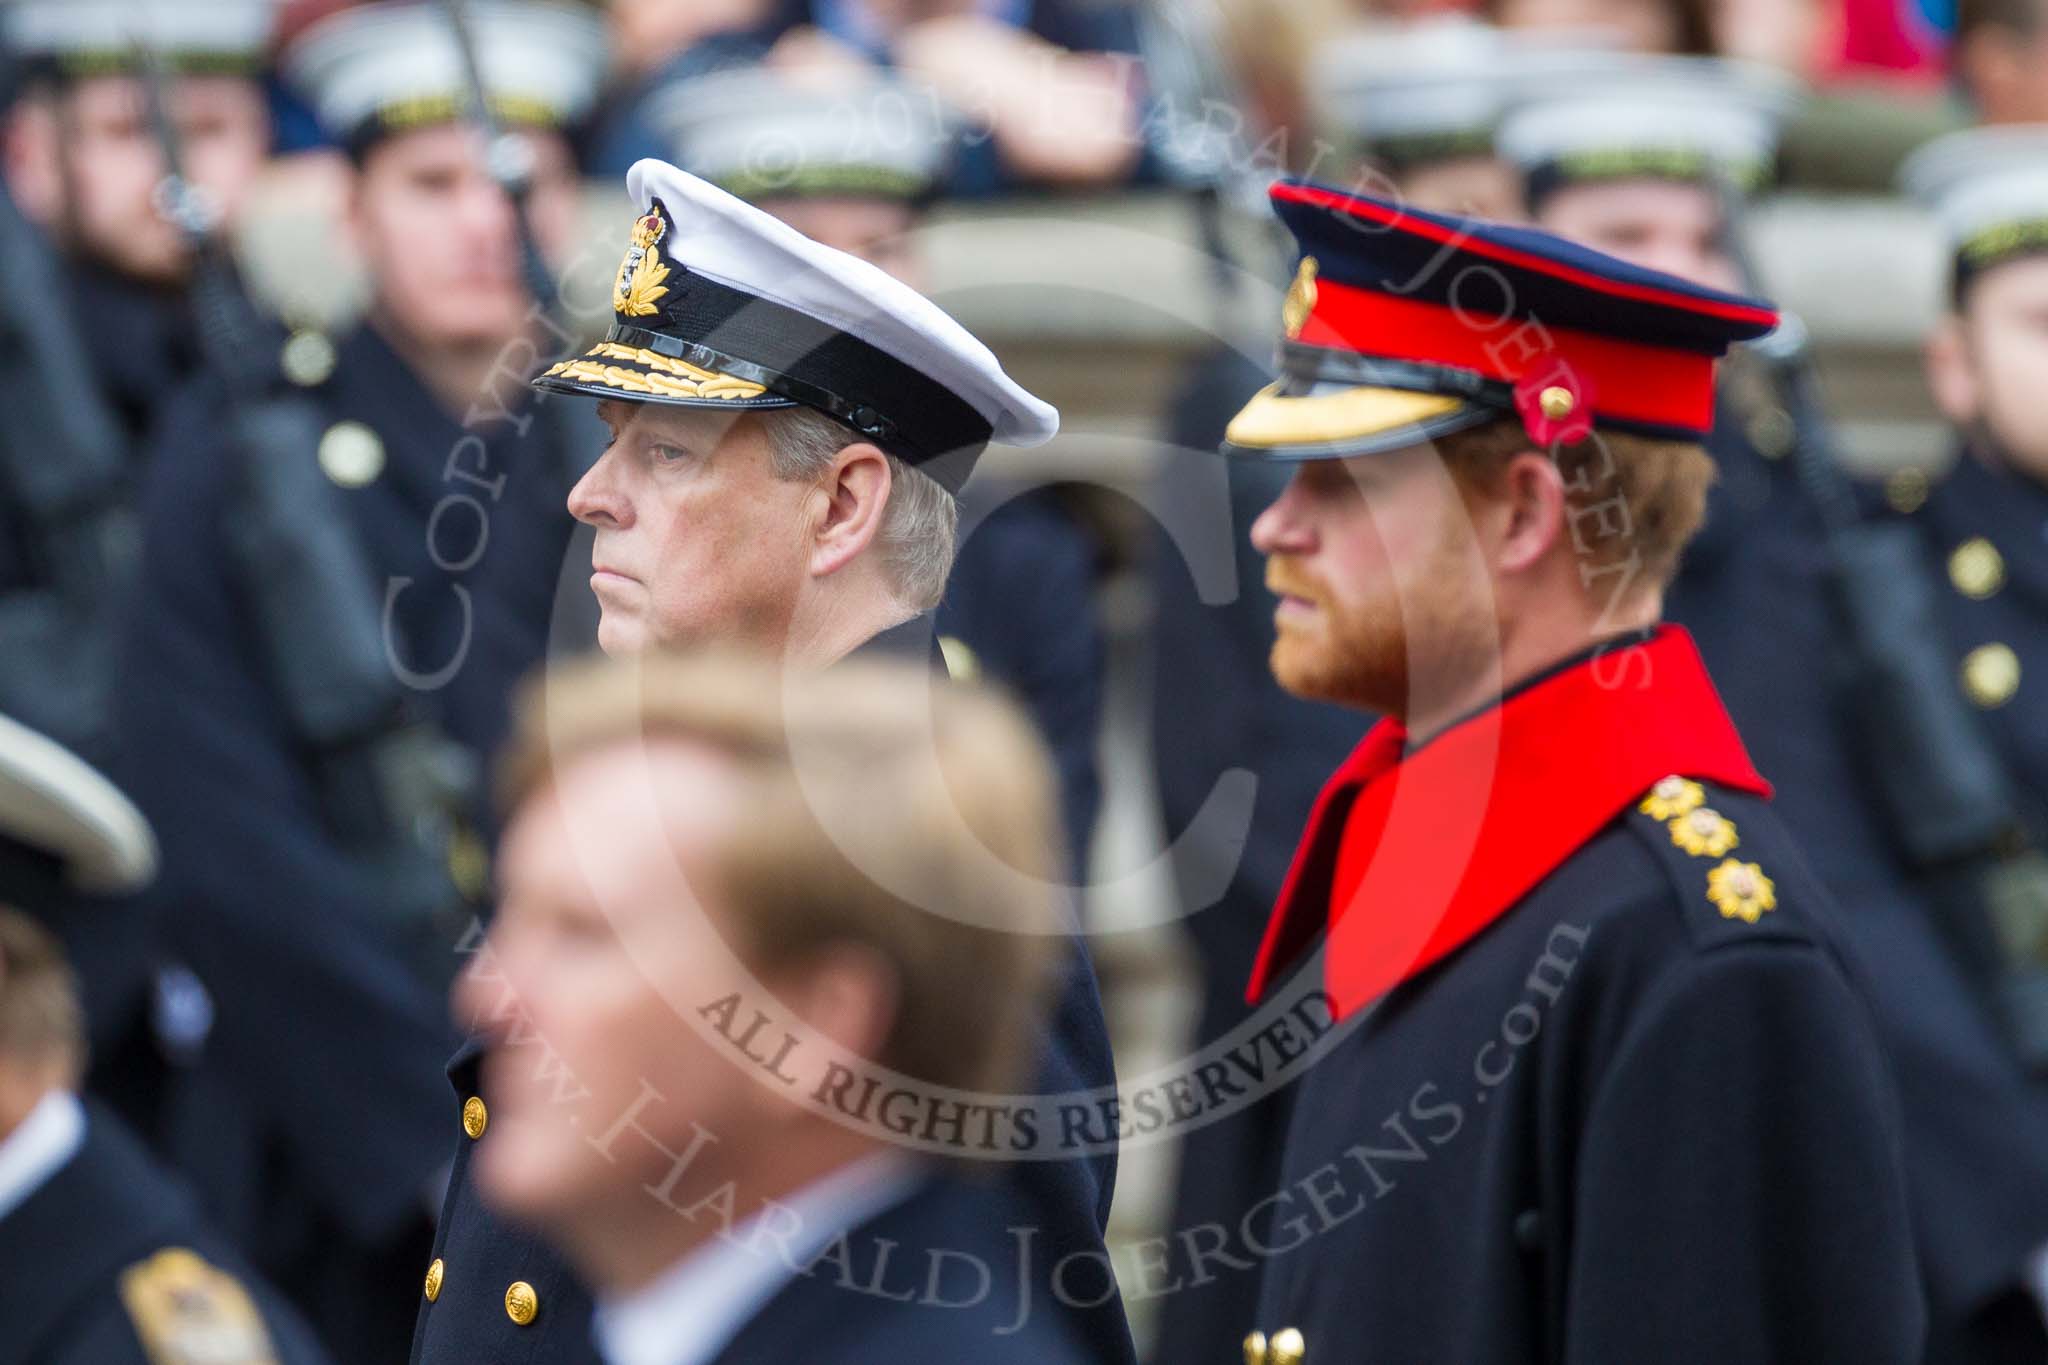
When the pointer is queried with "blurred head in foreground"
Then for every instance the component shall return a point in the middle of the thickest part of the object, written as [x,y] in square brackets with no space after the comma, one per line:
[694,839]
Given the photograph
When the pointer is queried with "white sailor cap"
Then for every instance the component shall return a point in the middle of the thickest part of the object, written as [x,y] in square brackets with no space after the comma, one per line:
[1988,191]
[373,69]
[758,132]
[100,37]
[1426,90]
[719,305]
[1613,116]
[55,803]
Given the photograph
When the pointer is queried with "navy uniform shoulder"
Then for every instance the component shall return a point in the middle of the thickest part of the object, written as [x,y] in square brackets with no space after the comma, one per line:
[113,1266]
[1735,873]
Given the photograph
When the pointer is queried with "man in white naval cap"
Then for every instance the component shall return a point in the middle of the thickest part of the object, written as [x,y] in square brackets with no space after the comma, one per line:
[790,428]
[853,160]
[1983,521]
[322,854]
[108,1260]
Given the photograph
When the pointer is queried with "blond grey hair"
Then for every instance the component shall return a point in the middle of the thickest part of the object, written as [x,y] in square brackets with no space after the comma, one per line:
[920,524]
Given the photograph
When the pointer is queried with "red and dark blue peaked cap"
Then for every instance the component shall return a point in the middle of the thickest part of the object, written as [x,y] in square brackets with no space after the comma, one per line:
[1404,325]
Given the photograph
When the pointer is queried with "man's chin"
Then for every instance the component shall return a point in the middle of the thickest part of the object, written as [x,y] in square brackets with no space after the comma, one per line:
[1309,672]
[621,635]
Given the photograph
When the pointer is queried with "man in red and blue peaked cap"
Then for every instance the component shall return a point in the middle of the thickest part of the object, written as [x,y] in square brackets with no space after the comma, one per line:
[1598,1078]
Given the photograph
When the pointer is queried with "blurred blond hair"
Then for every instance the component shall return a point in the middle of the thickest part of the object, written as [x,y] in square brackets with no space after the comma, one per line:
[865,793]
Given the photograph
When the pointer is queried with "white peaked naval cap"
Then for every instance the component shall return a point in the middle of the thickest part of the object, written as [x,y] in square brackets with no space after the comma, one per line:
[55,802]
[720,305]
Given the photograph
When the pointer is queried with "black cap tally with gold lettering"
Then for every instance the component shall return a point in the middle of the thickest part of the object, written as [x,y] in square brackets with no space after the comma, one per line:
[76,38]
[1988,191]
[1581,117]
[370,70]
[719,305]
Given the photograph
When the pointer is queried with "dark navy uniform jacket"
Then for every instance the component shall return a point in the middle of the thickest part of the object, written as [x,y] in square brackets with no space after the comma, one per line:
[1754,590]
[1637,1111]
[96,1258]
[140,345]
[478,1257]
[317,1119]
[1986,532]
[829,1317]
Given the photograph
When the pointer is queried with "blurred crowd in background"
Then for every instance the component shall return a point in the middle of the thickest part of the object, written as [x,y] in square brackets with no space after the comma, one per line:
[341,269]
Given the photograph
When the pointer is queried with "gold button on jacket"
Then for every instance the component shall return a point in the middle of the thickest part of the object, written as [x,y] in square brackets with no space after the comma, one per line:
[1255,1349]
[434,1274]
[1288,1348]
[474,1116]
[522,1305]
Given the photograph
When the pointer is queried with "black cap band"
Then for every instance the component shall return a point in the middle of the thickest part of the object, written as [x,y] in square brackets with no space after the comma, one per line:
[811,362]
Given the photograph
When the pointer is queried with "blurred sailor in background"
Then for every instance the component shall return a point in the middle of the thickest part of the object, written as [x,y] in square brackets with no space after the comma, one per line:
[98,328]
[853,161]
[347,565]
[84,161]
[1983,531]
[108,1259]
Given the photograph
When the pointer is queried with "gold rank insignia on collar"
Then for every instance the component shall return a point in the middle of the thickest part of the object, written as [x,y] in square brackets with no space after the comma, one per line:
[641,284]
[186,1309]
[1741,891]
[1672,797]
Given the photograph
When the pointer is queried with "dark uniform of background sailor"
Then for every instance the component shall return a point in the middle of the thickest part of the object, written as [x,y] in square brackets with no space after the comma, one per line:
[99,332]
[107,1258]
[330,629]
[1418,105]
[1984,528]
[852,164]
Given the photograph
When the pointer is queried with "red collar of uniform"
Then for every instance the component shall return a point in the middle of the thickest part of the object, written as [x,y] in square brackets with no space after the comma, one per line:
[1408,855]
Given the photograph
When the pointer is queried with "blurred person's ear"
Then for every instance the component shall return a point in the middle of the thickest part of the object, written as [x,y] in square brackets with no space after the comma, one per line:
[28,158]
[848,994]
[1951,374]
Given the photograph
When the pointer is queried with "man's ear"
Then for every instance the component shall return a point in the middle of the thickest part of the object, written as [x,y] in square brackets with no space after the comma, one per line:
[854,497]
[848,993]
[1951,374]
[1532,491]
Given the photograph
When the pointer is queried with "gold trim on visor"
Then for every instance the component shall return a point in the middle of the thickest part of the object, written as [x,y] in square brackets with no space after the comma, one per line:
[662,377]
[1270,420]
